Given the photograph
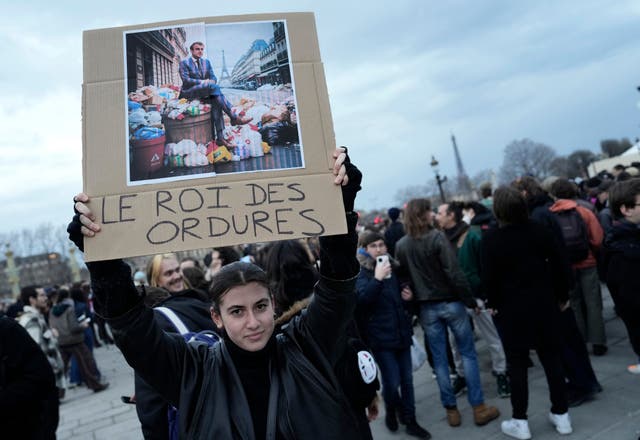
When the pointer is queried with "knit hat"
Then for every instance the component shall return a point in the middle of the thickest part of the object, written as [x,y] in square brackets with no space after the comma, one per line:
[393,213]
[368,237]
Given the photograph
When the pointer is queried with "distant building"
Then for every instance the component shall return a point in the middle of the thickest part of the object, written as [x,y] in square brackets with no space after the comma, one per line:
[274,59]
[248,68]
[153,57]
[42,269]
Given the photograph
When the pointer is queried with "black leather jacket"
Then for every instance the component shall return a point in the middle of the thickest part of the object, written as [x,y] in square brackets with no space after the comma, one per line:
[306,400]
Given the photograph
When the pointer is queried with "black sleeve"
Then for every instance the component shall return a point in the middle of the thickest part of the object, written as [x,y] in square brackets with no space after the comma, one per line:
[25,374]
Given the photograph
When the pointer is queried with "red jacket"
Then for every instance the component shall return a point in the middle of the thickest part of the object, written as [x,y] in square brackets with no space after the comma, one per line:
[594,230]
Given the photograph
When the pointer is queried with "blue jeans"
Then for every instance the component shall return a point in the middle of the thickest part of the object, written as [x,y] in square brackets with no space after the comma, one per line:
[396,370]
[435,317]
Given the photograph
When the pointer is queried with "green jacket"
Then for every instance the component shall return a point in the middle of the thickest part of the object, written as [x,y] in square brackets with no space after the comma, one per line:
[469,260]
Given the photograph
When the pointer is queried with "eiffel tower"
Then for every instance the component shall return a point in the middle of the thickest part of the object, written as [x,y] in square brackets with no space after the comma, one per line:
[225,78]
[464,184]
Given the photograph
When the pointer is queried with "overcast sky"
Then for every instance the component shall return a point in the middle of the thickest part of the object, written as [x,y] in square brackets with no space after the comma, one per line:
[401,75]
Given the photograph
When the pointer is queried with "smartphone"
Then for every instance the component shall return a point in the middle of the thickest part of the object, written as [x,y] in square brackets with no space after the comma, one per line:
[383,259]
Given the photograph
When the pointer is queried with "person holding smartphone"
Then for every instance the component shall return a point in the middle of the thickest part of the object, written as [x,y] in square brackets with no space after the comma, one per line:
[386,327]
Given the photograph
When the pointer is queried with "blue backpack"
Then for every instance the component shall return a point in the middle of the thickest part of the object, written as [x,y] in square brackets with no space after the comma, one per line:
[207,336]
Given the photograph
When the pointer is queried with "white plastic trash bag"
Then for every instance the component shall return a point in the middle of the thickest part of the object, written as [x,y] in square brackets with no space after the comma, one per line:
[418,354]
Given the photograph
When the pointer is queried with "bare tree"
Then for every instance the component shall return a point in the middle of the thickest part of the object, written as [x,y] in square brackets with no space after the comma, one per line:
[429,191]
[526,158]
[614,147]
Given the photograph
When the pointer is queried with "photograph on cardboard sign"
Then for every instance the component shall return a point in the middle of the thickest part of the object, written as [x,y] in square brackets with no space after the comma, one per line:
[205,100]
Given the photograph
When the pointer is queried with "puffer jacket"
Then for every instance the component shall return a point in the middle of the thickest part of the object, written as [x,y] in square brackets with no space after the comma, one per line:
[386,324]
[62,317]
[433,267]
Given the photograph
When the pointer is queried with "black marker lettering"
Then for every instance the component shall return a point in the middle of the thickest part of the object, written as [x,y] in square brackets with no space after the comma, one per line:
[313,220]
[270,192]
[253,194]
[258,221]
[166,197]
[292,186]
[211,228]
[173,234]
[217,189]
[187,227]
[104,217]
[123,207]
[278,221]
[246,224]
[198,203]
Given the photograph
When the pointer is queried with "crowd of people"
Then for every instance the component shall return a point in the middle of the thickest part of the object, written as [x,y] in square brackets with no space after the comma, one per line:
[306,336]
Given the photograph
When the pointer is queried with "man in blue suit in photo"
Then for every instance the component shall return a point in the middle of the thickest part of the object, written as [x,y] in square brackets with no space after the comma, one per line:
[199,82]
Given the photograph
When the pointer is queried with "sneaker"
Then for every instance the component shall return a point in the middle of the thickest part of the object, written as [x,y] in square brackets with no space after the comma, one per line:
[634,369]
[483,414]
[516,428]
[453,417]
[415,430]
[459,385]
[562,422]
[599,349]
[504,386]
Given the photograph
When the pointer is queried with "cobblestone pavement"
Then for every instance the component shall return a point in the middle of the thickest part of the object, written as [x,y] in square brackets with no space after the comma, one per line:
[613,415]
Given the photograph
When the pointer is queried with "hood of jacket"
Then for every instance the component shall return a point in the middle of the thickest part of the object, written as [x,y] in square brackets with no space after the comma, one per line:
[367,261]
[293,311]
[624,237]
[563,205]
[454,234]
[60,308]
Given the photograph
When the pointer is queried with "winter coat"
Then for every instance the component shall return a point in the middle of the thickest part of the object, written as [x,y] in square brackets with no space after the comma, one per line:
[594,230]
[621,265]
[387,324]
[202,381]
[62,317]
[150,405]
[394,232]
[467,247]
[433,267]
[28,393]
[347,369]
[526,278]
[34,323]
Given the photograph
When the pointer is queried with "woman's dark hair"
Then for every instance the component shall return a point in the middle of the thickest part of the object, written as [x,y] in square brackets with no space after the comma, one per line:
[62,294]
[509,206]
[415,220]
[564,189]
[478,208]
[77,295]
[195,277]
[227,254]
[234,275]
[291,274]
[623,194]
[529,185]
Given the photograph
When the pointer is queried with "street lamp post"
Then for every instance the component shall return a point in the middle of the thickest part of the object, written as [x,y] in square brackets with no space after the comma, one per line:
[439,180]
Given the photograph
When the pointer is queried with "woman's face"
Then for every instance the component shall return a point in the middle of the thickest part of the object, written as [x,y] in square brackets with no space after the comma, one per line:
[246,314]
[170,276]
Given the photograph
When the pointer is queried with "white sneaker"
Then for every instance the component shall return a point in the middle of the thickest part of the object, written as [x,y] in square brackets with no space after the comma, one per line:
[562,422]
[634,369]
[516,428]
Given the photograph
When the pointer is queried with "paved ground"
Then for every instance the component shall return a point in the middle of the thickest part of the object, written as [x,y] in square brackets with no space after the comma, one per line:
[613,415]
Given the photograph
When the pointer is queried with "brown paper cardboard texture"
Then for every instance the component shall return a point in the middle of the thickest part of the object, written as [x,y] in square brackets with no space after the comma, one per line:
[287,193]
[215,215]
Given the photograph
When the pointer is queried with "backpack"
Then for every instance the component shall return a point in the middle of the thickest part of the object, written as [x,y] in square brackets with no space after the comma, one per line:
[207,336]
[574,233]
[357,373]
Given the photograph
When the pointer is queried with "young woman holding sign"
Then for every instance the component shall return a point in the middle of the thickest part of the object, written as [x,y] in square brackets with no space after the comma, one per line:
[255,384]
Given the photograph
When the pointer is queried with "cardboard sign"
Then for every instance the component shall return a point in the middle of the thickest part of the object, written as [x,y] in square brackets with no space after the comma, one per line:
[207,132]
